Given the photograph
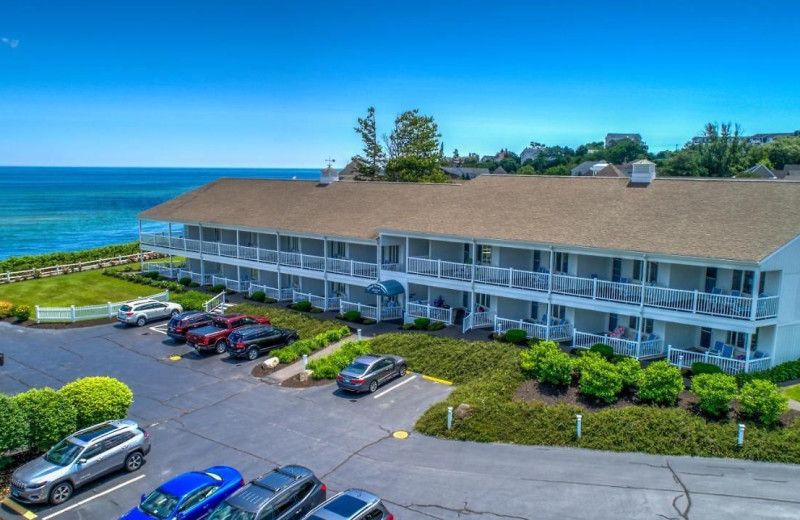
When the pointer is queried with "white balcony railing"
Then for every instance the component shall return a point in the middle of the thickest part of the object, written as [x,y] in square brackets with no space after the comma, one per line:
[195,277]
[439,268]
[478,320]
[163,269]
[329,304]
[282,295]
[230,283]
[367,311]
[534,329]
[353,268]
[418,310]
[391,313]
[623,346]
[684,359]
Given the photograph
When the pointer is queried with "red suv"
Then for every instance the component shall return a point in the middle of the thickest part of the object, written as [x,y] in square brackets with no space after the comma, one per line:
[214,337]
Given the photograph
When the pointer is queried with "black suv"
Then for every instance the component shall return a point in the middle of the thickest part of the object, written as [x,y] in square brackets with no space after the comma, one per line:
[284,493]
[180,324]
[251,341]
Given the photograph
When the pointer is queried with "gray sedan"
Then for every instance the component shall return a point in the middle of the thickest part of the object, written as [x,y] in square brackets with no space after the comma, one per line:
[368,372]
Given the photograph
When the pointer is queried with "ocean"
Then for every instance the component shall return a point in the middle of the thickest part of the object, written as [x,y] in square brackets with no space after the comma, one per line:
[44,210]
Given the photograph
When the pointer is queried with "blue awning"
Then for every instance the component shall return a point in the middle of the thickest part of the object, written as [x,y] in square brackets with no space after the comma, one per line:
[385,288]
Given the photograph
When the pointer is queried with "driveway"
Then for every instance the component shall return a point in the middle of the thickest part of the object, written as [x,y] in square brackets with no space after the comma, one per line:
[206,410]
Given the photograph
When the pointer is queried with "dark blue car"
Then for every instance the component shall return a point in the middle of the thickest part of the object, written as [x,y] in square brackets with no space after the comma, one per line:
[189,496]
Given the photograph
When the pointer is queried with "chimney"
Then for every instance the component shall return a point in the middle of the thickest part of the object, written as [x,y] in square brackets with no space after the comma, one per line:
[328,175]
[644,172]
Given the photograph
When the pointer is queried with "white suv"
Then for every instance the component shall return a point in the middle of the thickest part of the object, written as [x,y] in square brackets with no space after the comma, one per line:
[139,312]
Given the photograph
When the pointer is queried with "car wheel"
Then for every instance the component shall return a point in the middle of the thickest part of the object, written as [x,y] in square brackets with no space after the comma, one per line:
[60,493]
[401,371]
[141,322]
[291,340]
[174,313]
[219,348]
[133,461]
[373,386]
[252,353]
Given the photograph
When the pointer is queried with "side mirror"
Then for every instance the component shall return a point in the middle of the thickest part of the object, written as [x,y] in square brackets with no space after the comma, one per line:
[82,461]
[141,498]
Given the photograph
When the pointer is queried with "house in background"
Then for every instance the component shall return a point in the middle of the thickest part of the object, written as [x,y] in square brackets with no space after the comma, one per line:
[531,152]
[789,172]
[614,138]
[570,259]
[460,173]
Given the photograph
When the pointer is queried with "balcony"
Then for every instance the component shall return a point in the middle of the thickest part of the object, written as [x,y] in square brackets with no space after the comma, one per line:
[420,310]
[281,295]
[735,305]
[684,359]
[557,330]
[326,304]
[644,347]
[265,256]
[230,283]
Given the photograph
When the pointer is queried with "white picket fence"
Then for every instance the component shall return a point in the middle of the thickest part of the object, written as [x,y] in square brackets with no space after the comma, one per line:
[88,312]
[54,270]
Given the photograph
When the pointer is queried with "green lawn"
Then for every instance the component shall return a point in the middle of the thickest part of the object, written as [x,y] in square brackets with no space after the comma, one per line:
[793,392]
[85,288]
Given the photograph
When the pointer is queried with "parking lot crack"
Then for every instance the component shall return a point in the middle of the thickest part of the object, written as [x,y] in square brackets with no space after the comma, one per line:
[685,512]
[462,511]
[358,451]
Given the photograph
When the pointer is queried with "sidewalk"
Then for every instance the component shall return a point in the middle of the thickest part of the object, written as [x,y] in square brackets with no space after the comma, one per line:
[292,370]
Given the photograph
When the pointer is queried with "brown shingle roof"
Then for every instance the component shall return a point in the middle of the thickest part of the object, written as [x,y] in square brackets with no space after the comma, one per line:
[724,219]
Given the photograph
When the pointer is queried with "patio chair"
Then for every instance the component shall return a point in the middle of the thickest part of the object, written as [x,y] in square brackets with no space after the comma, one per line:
[716,350]
[758,355]
[727,351]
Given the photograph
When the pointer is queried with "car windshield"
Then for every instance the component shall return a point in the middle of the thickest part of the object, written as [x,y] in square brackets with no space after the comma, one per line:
[225,511]
[126,308]
[63,453]
[355,368]
[159,504]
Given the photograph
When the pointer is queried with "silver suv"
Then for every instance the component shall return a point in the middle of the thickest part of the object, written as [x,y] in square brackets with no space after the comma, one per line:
[80,458]
[353,504]
[142,311]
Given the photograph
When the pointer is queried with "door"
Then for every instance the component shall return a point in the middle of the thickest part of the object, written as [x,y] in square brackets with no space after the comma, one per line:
[195,505]
[87,464]
[270,339]
[385,369]
[115,449]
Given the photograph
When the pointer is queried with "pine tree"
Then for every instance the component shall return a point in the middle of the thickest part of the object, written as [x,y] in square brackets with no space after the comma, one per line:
[373,160]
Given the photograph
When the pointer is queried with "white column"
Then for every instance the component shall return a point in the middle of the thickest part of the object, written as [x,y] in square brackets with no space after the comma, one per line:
[237,243]
[405,267]
[644,277]
[755,293]
[747,351]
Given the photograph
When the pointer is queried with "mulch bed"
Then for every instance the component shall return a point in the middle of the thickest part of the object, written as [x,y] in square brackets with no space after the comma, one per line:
[7,467]
[549,394]
[294,382]
[259,371]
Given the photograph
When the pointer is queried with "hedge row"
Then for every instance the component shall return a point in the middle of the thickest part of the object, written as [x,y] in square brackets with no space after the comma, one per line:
[39,418]
[292,352]
[22,263]
[788,371]
[328,367]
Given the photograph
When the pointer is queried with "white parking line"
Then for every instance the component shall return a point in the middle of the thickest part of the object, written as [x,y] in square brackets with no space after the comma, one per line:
[161,329]
[82,502]
[389,389]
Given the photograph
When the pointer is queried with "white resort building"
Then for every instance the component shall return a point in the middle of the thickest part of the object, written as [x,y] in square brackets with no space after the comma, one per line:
[688,269]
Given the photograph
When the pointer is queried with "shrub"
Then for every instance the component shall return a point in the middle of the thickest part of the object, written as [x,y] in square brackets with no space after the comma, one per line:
[661,383]
[715,392]
[217,288]
[98,399]
[556,368]
[306,326]
[778,374]
[630,369]
[258,296]
[407,326]
[370,321]
[153,275]
[515,335]
[194,284]
[270,300]
[190,300]
[435,325]
[762,401]
[14,429]
[604,350]
[185,281]
[698,367]
[599,378]
[352,316]
[530,360]
[5,309]
[316,310]
[303,306]
[421,323]
[50,415]
[285,355]
[328,367]
[22,312]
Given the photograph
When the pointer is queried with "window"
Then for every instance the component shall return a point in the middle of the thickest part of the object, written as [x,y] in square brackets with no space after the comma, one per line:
[535,310]
[196,497]
[304,491]
[613,320]
[467,254]
[485,254]
[391,254]
[93,451]
[116,440]
[558,311]
[483,300]
[636,274]
[711,279]
[652,272]
[373,515]
[737,339]
[742,281]
[292,243]
[762,278]
[616,270]
[337,290]
[338,249]
[561,262]
[537,260]
[705,337]
[647,325]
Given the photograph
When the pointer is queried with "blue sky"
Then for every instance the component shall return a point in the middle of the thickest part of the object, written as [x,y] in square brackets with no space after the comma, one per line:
[266,83]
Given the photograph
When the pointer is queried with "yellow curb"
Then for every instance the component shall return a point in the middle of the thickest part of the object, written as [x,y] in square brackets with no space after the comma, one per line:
[437,380]
[18,509]
[174,358]
[400,434]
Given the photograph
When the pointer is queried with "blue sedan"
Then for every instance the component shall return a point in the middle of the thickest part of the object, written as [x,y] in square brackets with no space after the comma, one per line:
[189,496]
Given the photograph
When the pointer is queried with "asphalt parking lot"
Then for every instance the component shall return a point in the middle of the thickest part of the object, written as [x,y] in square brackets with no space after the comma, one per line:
[203,410]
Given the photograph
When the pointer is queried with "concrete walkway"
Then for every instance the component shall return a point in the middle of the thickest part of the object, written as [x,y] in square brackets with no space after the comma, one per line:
[279,376]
